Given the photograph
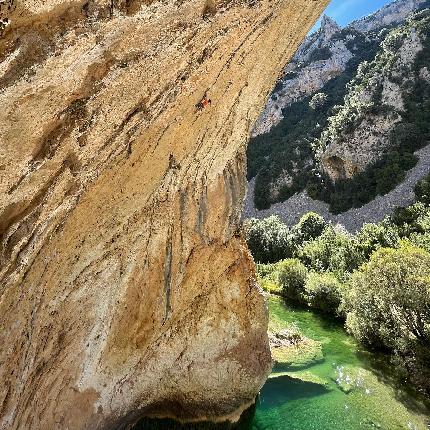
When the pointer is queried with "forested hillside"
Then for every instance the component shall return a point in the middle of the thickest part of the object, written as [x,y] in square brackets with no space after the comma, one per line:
[355,109]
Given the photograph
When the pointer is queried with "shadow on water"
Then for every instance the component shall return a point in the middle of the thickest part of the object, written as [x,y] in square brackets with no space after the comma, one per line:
[283,389]
[282,367]
[245,423]
[341,349]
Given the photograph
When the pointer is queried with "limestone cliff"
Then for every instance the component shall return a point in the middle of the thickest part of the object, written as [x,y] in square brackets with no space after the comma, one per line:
[325,55]
[126,288]
[375,113]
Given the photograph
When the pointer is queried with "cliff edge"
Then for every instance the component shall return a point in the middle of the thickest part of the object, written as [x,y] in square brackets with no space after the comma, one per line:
[125,286]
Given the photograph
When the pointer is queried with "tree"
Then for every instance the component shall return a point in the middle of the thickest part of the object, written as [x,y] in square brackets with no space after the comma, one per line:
[310,226]
[324,292]
[422,191]
[292,278]
[335,251]
[374,236]
[318,100]
[388,300]
[269,240]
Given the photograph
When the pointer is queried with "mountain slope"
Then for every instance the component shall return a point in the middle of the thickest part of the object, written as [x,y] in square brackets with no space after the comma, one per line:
[302,149]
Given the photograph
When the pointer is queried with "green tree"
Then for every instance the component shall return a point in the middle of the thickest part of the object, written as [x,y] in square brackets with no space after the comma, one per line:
[292,278]
[318,100]
[335,251]
[422,191]
[388,304]
[324,292]
[310,226]
[412,219]
[269,239]
[374,236]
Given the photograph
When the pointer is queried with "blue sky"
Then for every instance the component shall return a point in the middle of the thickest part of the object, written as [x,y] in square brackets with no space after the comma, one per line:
[345,11]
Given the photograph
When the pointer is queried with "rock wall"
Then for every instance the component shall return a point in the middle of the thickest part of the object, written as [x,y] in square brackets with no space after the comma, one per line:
[304,76]
[126,288]
[373,107]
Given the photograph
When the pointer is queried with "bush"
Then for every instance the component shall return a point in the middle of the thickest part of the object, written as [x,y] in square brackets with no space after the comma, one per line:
[335,251]
[269,240]
[324,292]
[412,219]
[292,279]
[422,191]
[374,236]
[388,304]
[268,277]
[420,240]
[318,100]
[310,226]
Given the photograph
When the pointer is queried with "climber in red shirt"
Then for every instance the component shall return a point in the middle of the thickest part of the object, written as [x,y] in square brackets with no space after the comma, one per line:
[204,103]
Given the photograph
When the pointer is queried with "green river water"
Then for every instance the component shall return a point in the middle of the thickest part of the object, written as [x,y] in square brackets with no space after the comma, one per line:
[338,388]
[347,388]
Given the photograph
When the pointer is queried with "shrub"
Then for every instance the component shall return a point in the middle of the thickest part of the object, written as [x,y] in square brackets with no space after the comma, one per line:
[318,100]
[292,279]
[335,251]
[269,240]
[420,240]
[324,292]
[310,226]
[374,236]
[268,277]
[412,219]
[388,303]
[422,191]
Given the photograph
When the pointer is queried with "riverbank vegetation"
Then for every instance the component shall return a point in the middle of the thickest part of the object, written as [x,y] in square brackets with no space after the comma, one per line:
[377,280]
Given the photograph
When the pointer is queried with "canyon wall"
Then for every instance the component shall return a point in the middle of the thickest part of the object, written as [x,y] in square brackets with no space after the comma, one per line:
[125,286]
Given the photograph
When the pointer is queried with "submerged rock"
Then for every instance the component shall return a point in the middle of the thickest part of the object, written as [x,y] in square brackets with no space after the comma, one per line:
[292,350]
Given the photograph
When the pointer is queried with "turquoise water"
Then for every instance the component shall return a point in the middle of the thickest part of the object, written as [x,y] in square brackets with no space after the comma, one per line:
[341,389]
[347,388]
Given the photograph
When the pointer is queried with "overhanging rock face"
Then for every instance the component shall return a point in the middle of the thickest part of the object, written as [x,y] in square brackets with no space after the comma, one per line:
[125,287]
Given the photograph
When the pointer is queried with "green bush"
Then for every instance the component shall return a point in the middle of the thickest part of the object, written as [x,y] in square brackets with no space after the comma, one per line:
[412,219]
[268,277]
[318,101]
[324,292]
[422,191]
[420,240]
[310,226]
[374,236]
[335,251]
[269,240]
[292,279]
[388,304]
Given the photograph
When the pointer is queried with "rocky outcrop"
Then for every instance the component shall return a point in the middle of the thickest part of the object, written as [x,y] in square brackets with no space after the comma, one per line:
[303,77]
[126,288]
[361,132]
[390,14]
[307,73]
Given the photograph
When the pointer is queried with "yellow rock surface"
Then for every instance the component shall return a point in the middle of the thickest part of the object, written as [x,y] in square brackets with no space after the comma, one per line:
[125,286]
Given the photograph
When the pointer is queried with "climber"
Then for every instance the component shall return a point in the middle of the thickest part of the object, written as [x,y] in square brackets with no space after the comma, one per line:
[203,103]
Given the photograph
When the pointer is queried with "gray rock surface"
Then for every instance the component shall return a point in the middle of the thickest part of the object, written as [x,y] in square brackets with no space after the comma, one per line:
[294,208]
[311,77]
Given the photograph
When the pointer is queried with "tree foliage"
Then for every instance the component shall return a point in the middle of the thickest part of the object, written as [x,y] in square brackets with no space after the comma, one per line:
[292,278]
[388,305]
